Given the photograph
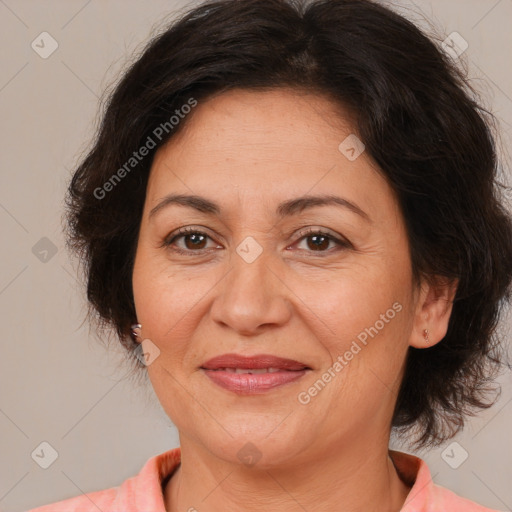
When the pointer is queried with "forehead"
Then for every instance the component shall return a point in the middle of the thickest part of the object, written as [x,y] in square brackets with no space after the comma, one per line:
[275,117]
[262,144]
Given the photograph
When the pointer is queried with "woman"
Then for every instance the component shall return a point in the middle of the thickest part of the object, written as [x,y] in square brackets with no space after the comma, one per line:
[291,218]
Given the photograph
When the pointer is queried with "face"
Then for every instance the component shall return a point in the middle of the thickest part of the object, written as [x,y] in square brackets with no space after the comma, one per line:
[327,285]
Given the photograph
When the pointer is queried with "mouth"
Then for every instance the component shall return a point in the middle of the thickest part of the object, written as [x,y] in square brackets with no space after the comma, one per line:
[253,375]
[259,363]
[253,371]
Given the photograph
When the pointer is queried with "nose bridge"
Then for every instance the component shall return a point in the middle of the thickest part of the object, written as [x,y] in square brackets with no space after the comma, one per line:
[248,280]
[252,294]
[250,262]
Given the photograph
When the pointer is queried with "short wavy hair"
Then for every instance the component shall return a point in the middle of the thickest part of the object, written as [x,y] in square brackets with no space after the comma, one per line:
[419,119]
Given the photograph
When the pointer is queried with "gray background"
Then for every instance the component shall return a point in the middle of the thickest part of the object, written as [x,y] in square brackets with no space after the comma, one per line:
[57,383]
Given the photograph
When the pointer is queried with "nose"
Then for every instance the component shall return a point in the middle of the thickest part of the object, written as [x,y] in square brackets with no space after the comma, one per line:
[252,297]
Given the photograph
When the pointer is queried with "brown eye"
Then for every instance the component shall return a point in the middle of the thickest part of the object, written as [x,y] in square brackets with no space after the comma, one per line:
[196,240]
[193,240]
[318,241]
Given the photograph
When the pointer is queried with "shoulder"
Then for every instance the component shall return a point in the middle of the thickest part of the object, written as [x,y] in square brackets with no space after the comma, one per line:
[89,502]
[448,500]
[425,495]
[140,492]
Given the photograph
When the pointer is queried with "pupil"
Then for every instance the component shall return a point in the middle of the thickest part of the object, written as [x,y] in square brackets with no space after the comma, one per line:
[320,245]
[195,239]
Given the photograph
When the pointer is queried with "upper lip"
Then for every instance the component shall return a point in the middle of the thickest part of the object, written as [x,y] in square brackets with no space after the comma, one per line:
[257,361]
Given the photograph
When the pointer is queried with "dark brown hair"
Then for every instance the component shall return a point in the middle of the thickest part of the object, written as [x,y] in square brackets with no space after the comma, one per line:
[414,111]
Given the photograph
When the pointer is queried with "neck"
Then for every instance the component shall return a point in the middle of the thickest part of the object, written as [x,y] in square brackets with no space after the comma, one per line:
[351,479]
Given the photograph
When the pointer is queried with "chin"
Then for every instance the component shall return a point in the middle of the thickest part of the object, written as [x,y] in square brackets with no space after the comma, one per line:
[256,451]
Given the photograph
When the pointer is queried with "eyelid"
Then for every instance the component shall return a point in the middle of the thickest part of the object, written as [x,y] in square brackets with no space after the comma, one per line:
[185,230]
[338,239]
[341,241]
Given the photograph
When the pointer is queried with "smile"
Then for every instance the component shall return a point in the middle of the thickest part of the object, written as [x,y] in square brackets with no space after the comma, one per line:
[247,381]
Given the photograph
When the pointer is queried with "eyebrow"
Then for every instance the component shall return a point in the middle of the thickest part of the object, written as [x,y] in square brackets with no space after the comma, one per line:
[285,209]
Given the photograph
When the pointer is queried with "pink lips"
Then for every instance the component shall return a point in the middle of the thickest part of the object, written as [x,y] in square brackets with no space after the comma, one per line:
[223,371]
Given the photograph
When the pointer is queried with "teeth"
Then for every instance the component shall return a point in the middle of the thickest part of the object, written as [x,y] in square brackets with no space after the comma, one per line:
[250,370]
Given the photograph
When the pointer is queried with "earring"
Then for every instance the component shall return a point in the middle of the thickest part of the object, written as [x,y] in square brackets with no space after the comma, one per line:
[135,329]
[425,334]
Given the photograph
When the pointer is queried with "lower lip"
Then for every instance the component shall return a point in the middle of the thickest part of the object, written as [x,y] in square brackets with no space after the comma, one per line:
[253,383]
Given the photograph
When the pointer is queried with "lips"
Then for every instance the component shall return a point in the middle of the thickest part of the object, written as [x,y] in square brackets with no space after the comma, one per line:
[263,362]
[252,375]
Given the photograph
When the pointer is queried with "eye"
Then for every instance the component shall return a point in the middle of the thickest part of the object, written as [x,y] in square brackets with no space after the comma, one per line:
[194,240]
[320,240]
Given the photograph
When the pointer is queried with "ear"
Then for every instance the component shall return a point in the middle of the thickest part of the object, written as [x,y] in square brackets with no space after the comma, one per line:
[136,332]
[433,309]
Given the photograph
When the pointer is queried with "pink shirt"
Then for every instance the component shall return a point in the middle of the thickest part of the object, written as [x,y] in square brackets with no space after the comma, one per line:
[144,493]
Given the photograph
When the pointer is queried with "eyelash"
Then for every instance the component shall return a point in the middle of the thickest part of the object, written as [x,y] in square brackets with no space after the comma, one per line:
[303,234]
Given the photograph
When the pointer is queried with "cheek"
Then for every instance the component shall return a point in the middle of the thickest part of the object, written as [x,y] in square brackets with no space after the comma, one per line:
[151,280]
[169,307]
[353,300]
[363,328]
[362,320]
[169,302]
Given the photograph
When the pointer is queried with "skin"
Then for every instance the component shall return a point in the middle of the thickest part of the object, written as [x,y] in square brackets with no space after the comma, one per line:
[249,151]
